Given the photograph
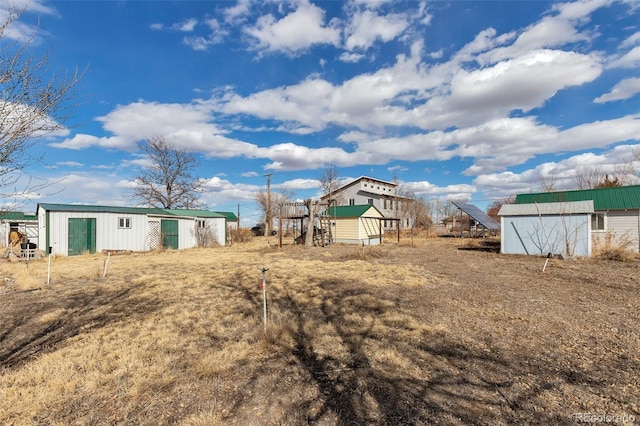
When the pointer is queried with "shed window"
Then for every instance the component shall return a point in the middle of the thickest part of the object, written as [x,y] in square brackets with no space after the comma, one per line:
[597,222]
[201,223]
[124,222]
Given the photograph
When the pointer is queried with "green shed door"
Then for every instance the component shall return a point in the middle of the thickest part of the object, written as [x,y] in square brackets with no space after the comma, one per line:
[169,229]
[82,236]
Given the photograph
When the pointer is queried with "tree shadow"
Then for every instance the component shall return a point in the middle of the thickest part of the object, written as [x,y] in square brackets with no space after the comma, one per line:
[24,334]
[459,382]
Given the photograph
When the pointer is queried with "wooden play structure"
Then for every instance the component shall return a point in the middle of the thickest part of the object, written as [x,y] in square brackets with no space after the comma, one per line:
[311,214]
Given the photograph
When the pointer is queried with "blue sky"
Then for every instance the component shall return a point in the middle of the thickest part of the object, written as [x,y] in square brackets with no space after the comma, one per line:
[473,100]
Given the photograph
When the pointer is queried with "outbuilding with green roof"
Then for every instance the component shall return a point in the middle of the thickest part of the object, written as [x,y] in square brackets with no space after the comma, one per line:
[359,224]
[73,229]
[616,211]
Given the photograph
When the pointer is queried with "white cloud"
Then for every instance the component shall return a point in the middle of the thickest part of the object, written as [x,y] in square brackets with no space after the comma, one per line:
[522,83]
[367,26]
[631,59]
[186,26]
[298,184]
[295,32]
[351,57]
[70,163]
[631,41]
[239,12]
[625,89]
[453,192]
[561,174]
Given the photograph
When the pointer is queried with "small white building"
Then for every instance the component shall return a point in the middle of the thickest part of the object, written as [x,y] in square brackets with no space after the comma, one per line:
[356,224]
[539,229]
[616,212]
[71,229]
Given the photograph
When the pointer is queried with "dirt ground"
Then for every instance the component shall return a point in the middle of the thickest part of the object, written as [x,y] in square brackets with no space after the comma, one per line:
[429,333]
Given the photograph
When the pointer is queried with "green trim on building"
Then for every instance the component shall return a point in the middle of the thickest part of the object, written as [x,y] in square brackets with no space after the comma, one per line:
[614,198]
[130,210]
[350,211]
[17,216]
[229,216]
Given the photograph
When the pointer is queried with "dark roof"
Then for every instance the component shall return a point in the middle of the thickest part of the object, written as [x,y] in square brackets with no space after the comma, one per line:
[614,198]
[17,216]
[129,210]
[350,211]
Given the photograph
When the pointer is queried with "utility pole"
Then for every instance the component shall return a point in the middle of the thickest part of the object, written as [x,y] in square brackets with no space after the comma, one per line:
[268,212]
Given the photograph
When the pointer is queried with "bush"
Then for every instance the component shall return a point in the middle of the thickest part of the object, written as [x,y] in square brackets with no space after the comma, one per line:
[613,247]
[240,235]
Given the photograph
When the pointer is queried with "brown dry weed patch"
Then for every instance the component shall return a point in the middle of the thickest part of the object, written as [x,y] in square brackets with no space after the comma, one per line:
[400,334]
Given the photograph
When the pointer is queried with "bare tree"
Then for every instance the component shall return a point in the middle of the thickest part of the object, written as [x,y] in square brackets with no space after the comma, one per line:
[262,199]
[419,212]
[169,182]
[494,207]
[275,204]
[34,102]
[447,210]
[330,182]
[627,172]
[312,206]
[588,177]
[548,182]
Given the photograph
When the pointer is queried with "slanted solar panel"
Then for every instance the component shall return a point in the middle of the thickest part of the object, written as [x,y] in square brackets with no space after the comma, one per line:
[478,215]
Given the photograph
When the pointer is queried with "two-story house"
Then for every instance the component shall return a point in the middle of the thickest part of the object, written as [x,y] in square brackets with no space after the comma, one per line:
[379,193]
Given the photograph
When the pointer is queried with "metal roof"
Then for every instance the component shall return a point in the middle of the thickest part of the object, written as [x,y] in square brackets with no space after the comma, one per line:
[614,198]
[130,210]
[231,217]
[477,214]
[350,211]
[17,216]
[546,209]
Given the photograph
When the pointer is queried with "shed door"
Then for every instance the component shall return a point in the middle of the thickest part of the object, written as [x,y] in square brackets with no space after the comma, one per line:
[169,229]
[82,236]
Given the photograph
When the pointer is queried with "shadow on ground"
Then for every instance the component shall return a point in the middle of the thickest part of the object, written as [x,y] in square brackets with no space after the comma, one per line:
[32,327]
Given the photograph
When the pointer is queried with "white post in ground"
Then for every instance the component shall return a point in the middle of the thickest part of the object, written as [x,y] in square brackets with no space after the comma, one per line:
[264,297]
[106,263]
[51,249]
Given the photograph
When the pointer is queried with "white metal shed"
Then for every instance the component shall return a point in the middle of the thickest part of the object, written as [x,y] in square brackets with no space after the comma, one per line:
[542,228]
[75,229]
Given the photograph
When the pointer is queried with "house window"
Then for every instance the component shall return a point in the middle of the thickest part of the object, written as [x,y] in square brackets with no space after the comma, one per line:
[370,201]
[124,222]
[597,222]
[385,206]
[352,202]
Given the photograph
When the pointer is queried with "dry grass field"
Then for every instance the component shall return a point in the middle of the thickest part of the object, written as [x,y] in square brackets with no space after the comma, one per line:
[393,335]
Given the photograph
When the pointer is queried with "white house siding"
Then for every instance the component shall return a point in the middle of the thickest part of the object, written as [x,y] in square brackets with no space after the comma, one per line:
[534,235]
[625,223]
[108,235]
[187,230]
[381,193]
[219,228]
